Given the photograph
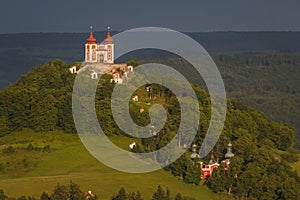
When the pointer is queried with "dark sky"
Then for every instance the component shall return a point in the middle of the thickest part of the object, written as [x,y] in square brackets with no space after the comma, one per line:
[184,15]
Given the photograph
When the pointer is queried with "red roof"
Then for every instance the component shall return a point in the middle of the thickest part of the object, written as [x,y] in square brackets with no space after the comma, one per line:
[108,39]
[116,72]
[91,39]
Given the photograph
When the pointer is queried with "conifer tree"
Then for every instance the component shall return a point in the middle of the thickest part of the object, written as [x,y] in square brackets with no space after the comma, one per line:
[159,194]
[178,197]
[60,192]
[121,195]
[75,192]
[44,196]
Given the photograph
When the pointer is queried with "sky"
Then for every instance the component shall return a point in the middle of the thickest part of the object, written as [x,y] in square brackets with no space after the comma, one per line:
[18,16]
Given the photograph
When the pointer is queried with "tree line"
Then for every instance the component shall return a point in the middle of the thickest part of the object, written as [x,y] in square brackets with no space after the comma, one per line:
[73,191]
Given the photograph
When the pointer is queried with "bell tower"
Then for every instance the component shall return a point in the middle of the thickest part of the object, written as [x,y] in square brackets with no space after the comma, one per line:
[109,43]
[91,47]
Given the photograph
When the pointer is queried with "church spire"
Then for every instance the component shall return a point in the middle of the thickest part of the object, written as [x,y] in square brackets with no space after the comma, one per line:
[91,39]
[229,153]
[212,158]
[108,39]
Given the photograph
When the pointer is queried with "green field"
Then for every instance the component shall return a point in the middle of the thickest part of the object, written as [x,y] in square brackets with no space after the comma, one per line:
[30,171]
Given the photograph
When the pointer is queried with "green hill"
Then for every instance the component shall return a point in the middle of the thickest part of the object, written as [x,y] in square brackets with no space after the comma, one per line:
[32,171]
[260,69]
[41,101]
[268,82]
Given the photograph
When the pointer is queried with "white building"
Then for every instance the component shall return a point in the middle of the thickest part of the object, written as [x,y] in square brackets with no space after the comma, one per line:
[135,98]
[99,53]
[73,70]
[116,78]
[99,59]
[94,75]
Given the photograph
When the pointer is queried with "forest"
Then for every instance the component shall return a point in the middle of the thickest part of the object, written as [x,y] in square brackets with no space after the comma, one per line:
[259,69]
[268,82]
[42,100]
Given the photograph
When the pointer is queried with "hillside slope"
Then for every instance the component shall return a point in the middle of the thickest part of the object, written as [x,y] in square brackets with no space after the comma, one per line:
[272,89]
[32,171]
[41,100]
[268,82]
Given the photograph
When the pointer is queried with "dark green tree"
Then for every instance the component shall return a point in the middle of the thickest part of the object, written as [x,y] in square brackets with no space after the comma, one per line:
[75,192]
[159,194]
[192,174]
[4,126]
[138,196]
[168,194]
[2,195]
[133,62]
[216,182]
[44,196]
[44,114]
[60,192]
[178,197]
[135,196]
[121,195]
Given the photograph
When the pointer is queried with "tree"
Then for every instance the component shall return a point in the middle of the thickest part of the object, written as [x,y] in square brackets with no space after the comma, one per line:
[192,174]
[4,126]
[159,194]
[44,114]
[179,166]
[75,192]
[135,196]
[60,192]
[2,195]
[133,62]
[216,182]
[138,196]
[121,195]
[44,196]
[178,197]
[168,194]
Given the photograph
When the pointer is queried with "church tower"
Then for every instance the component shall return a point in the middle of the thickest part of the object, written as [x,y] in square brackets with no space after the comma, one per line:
[109,43]
[91,48]
[229,153]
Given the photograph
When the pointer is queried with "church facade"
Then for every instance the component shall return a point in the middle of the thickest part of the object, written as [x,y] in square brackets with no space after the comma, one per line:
[99,53]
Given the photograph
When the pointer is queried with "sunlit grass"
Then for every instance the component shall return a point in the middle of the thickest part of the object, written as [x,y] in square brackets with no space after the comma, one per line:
[69,160]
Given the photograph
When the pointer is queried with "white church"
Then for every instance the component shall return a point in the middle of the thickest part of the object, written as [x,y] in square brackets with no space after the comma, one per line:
[99,59]
[99,53]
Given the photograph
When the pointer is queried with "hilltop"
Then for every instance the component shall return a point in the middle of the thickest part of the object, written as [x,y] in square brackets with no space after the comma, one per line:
[38,106]
[260,69]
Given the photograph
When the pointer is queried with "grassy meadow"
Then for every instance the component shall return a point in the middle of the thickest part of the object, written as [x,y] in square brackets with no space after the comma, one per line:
[30,167]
